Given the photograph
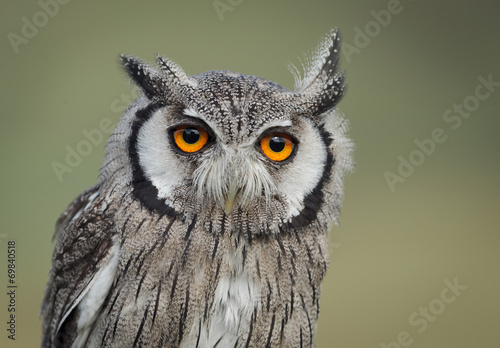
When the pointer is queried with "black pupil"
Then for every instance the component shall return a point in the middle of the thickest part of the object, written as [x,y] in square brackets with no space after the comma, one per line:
[277,144]
[191,135]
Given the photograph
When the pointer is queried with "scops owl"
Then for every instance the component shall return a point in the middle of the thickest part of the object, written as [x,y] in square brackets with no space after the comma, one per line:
[208,227]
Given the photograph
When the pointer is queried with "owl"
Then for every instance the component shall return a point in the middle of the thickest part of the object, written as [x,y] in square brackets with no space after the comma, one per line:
[208,226]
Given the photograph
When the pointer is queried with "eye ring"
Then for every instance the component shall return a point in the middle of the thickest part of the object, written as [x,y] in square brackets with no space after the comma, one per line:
[190,139]
[278,147]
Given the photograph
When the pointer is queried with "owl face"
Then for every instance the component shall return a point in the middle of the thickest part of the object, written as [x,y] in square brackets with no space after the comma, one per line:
[234,148]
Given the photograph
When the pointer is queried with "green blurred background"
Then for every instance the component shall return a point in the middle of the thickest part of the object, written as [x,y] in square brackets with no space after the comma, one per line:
[394,249]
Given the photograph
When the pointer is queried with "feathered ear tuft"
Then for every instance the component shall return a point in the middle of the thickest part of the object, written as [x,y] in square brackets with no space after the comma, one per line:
[322,86]
[172,71]
[145,76]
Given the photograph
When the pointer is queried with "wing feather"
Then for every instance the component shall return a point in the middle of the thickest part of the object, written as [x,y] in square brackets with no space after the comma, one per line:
[85,247]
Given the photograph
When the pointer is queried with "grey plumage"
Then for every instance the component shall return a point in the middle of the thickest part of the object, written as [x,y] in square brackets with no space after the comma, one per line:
[223,246]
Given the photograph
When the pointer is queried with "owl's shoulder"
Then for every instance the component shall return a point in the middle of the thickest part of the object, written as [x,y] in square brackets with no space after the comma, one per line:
[84,263]
[75,208]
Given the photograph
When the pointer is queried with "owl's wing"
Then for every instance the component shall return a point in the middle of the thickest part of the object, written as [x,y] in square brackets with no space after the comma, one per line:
[83,268]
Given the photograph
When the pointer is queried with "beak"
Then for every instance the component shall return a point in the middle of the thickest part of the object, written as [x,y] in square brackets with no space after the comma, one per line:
[231,197]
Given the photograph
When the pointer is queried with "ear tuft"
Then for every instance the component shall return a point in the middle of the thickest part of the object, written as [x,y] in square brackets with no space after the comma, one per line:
[145,76]
[322,86]
[172,71]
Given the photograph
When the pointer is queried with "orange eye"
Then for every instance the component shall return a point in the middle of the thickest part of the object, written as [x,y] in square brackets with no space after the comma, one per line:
[277,146]
[190,138]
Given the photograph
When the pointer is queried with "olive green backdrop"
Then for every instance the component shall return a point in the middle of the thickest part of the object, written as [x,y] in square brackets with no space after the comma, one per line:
[421,210]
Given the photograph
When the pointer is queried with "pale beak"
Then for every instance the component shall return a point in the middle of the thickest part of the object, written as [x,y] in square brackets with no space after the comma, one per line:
[231,197]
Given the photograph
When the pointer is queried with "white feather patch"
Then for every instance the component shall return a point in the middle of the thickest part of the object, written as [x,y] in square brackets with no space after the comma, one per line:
[94,296]
[156,158]
[234,302]
[235,298]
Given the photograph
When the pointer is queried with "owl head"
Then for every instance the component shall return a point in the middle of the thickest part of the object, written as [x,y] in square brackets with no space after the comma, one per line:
[236,151]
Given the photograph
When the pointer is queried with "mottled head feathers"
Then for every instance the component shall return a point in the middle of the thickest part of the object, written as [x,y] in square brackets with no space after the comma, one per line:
[319,90]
